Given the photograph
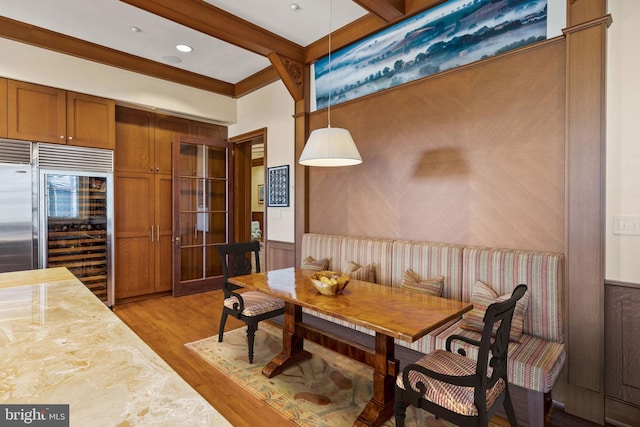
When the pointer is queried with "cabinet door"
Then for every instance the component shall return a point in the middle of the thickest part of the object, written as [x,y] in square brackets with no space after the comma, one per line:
[36,113]
[165,128]
[90,121]
[208,131]
[164,234]
[134,141]
[3,108]
[134,235]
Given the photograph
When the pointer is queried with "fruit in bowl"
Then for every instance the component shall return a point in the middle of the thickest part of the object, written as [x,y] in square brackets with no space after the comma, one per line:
[329,282]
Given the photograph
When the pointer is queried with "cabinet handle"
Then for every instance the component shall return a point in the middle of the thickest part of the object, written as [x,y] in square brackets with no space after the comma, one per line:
[61,136]
[157,169]
[158,233]
[150,169]
[70,138]
[152,235]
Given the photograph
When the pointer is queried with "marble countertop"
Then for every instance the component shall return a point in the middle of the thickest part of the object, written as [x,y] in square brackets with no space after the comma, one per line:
[61,345]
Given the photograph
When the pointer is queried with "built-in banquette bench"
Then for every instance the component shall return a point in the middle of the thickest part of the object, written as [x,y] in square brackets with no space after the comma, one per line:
[534,363]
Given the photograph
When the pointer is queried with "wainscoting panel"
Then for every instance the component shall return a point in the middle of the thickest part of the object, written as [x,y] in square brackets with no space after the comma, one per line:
[279,255]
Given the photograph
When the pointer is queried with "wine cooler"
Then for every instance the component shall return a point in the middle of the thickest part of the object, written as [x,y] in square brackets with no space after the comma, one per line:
[76,221]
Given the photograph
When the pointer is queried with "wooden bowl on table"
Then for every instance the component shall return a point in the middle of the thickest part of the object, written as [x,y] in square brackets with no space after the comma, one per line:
[329,282]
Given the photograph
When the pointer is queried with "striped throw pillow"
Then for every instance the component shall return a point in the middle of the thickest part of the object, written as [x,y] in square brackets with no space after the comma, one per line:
[483,296]
[356,271]
[310,263]
[414,282]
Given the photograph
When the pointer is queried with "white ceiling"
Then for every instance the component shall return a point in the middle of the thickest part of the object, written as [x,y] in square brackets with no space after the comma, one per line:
[109,22]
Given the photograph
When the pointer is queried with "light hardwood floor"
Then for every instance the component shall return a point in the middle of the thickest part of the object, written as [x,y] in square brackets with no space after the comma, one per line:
[166,324]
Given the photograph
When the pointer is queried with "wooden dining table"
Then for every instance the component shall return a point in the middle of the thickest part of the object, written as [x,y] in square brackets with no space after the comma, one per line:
[391,312]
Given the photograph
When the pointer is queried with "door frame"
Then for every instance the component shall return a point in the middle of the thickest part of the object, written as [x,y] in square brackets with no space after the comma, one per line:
[242,183]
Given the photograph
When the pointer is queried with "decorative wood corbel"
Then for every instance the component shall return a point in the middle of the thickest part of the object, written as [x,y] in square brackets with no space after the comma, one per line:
[291,72]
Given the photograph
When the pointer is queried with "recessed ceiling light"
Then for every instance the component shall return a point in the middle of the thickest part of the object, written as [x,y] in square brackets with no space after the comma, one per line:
[184,48]
[294,6]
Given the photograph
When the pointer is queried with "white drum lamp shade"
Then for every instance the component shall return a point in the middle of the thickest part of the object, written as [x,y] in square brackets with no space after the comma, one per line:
[330,147]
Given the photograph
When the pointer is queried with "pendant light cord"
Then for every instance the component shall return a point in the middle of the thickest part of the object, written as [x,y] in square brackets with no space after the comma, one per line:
[330,82]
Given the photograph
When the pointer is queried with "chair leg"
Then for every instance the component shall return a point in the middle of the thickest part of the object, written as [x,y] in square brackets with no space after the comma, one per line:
[223,320]
[399,409]
[251,334]
[508,408]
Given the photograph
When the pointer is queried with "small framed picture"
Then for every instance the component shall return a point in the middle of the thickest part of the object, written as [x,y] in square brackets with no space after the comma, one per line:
[278,186]
[261,193]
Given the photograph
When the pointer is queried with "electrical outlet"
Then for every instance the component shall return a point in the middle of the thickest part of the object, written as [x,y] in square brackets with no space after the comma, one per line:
[626,225]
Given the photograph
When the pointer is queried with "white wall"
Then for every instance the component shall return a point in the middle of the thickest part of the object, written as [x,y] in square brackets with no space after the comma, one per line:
[272,107]
[623,138]
[257,178]
[35,65]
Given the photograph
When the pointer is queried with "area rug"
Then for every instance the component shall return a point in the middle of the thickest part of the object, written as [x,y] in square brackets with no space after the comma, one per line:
[326,390]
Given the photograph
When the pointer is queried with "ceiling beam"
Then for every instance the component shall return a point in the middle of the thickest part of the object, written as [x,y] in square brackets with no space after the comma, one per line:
[256,81]
[222,25]
[387,10]
[40,37]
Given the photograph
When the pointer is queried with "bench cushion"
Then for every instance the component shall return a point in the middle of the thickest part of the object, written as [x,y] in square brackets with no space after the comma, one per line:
[368,252]
[534,363]
[504,269]
[429,260]
[321,246]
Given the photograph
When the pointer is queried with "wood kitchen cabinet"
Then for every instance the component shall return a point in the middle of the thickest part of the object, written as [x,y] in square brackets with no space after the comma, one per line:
[91,121]
[3,108]
[165,128]
[46,114]
[144,140]
[143,189]
[143,236]
[143,218]
[134,141]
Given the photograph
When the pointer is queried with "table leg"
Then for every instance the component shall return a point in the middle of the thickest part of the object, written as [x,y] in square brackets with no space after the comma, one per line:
[380,407]
[292,344]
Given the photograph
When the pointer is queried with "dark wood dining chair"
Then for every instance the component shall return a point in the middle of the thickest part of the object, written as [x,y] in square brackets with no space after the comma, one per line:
[251,307]
[459,389]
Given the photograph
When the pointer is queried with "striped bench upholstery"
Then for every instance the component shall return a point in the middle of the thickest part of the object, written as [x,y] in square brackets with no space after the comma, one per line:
[366,251]
[321,246]
[429,260]
[536,362]
[363,251]
[504,269]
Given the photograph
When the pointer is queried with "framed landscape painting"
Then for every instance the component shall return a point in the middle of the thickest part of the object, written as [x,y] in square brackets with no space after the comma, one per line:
[452,34]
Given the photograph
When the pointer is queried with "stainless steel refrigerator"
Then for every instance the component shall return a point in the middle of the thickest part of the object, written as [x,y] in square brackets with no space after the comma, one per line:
[76,214]
[18,250]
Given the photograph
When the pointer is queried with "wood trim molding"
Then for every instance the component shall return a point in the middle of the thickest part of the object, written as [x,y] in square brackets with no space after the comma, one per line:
[256,81]
[585,207]
[622,284]
[387,10]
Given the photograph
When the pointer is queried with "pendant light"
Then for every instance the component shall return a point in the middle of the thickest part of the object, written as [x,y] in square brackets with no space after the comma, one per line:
[330,147]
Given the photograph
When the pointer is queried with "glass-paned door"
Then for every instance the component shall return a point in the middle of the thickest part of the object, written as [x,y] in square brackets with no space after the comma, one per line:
[201,206]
